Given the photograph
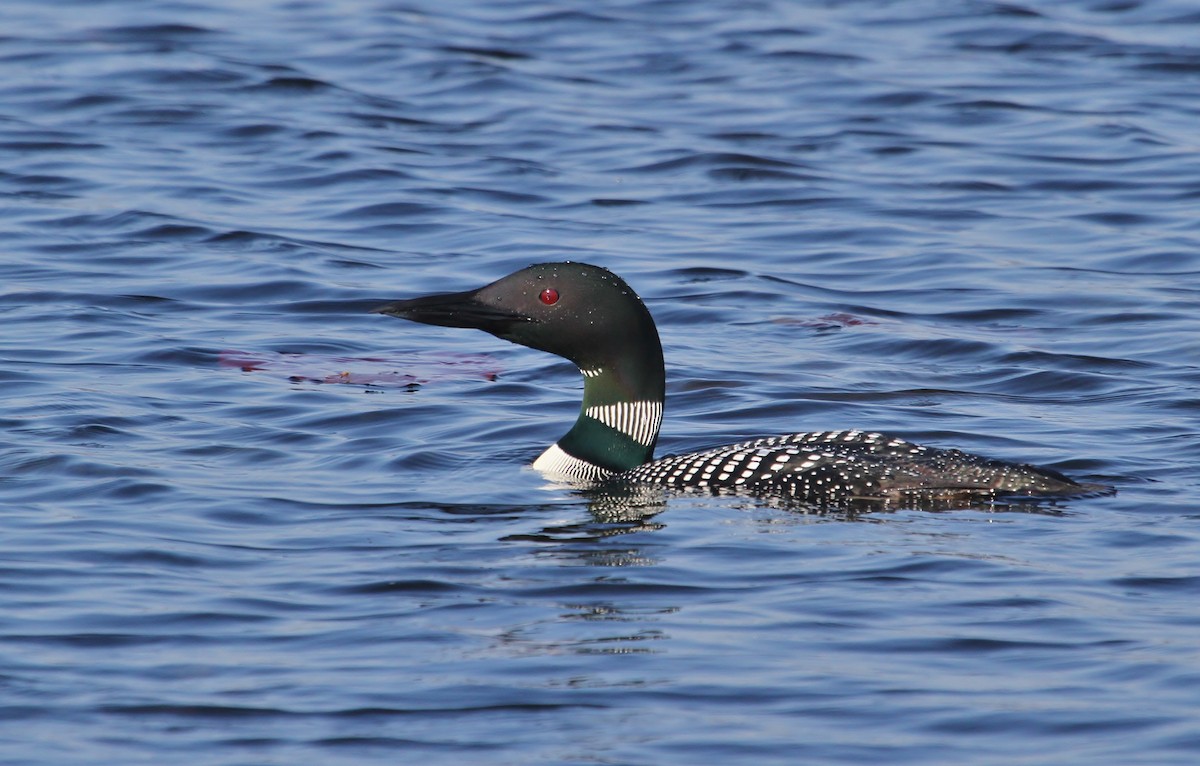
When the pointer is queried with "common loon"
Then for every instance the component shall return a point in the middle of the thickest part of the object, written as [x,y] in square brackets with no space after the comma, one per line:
[591,317]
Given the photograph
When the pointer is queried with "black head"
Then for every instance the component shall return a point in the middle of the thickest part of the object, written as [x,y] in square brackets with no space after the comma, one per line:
[584,313]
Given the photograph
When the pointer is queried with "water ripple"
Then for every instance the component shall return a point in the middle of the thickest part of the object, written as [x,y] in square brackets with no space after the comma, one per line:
[247,521]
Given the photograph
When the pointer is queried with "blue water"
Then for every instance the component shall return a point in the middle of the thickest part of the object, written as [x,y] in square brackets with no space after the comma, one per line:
[972,224]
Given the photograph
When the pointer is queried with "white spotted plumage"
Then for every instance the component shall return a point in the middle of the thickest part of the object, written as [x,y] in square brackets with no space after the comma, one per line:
[836,466]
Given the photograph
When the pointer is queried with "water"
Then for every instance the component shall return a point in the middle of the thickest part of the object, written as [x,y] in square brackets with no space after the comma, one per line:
[972,224]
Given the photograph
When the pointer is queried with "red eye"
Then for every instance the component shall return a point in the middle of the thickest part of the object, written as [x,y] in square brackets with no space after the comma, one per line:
[549,296]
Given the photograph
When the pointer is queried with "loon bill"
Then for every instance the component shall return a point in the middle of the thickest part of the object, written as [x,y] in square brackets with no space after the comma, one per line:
[591,317]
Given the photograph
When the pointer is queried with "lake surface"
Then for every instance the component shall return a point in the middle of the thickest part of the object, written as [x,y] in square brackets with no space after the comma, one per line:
[247,522]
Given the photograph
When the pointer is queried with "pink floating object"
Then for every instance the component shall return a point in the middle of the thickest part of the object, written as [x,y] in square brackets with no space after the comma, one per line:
[392,372]
[828,321]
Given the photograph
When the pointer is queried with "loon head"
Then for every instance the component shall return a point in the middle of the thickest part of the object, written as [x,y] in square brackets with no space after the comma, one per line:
[581,312]
[589,316]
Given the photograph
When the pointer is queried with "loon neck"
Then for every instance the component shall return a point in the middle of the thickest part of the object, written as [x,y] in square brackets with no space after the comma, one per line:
[618,422]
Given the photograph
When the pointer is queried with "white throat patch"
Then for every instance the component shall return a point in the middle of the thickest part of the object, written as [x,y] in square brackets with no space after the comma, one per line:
[555,463]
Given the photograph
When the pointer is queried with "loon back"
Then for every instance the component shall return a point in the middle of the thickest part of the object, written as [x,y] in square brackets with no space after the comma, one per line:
[589,316]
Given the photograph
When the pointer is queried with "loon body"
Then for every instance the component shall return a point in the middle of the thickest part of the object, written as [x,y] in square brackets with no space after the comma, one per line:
[591,317]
